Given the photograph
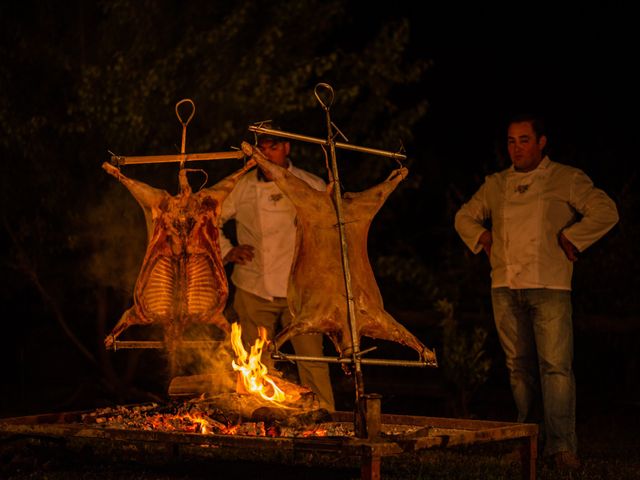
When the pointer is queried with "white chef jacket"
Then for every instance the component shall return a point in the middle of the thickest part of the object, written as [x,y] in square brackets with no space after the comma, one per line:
[265,219]
[527,211]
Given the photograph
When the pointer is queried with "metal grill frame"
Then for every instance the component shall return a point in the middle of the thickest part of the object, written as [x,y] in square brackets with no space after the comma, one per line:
[68,426]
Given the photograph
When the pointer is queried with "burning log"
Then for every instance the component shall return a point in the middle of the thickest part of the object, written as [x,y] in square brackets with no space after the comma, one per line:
[237,406]
[190,385]
[302,420]
[251,407]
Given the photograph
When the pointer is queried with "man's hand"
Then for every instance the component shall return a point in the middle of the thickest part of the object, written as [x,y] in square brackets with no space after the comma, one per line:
[486,240]
[242,254]
[569,248]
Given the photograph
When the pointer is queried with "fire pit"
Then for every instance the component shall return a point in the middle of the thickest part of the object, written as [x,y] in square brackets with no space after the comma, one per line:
[173,432]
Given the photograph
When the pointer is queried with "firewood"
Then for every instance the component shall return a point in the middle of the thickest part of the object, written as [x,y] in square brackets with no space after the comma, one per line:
[193,385]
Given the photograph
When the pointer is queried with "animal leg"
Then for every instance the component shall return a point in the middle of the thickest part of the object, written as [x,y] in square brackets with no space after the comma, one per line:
[129,317]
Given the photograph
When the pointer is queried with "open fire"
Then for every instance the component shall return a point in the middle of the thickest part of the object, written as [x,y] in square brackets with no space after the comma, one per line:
[253,374]
[261,405]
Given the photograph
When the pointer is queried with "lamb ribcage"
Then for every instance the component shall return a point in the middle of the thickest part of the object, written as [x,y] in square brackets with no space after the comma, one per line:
[201,294]
[163,298]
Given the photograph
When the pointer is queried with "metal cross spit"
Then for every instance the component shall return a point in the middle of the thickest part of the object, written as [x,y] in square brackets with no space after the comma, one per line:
[182,157]
[368,406]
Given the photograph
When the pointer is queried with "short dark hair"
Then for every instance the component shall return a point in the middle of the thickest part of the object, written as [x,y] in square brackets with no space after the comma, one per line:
[272,125]
[536,121]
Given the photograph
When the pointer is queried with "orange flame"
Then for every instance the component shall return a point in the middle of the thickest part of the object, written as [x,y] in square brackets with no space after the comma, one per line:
[252,371]
[204,425]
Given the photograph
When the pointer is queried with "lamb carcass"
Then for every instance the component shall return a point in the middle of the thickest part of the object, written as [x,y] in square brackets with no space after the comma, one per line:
[316,291]
[182,279]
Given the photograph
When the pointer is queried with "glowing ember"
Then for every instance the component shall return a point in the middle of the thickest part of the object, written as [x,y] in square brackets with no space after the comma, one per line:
[317,431]
[252,372]
[202,422]
[198,417]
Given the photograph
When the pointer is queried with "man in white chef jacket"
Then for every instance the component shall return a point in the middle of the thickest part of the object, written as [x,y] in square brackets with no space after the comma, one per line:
[532,220]
[266,233]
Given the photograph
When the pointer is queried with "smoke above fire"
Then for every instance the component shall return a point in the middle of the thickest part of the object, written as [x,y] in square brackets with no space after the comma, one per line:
[204,370]
[115,233]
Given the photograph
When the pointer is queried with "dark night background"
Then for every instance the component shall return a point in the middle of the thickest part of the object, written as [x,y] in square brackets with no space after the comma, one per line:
[80,79]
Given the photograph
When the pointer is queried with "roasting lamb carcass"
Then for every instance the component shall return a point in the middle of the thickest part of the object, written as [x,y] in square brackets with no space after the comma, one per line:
[182,279]
[316,292]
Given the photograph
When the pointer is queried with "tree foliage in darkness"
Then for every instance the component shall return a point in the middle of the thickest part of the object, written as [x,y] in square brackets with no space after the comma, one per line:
[81,79]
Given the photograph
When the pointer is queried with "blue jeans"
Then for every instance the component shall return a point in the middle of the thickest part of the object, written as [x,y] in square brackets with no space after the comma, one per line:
[536,333]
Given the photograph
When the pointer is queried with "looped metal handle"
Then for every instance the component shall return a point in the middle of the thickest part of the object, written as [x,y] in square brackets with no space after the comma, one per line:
[328,93]
[184,124]
[193,111]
